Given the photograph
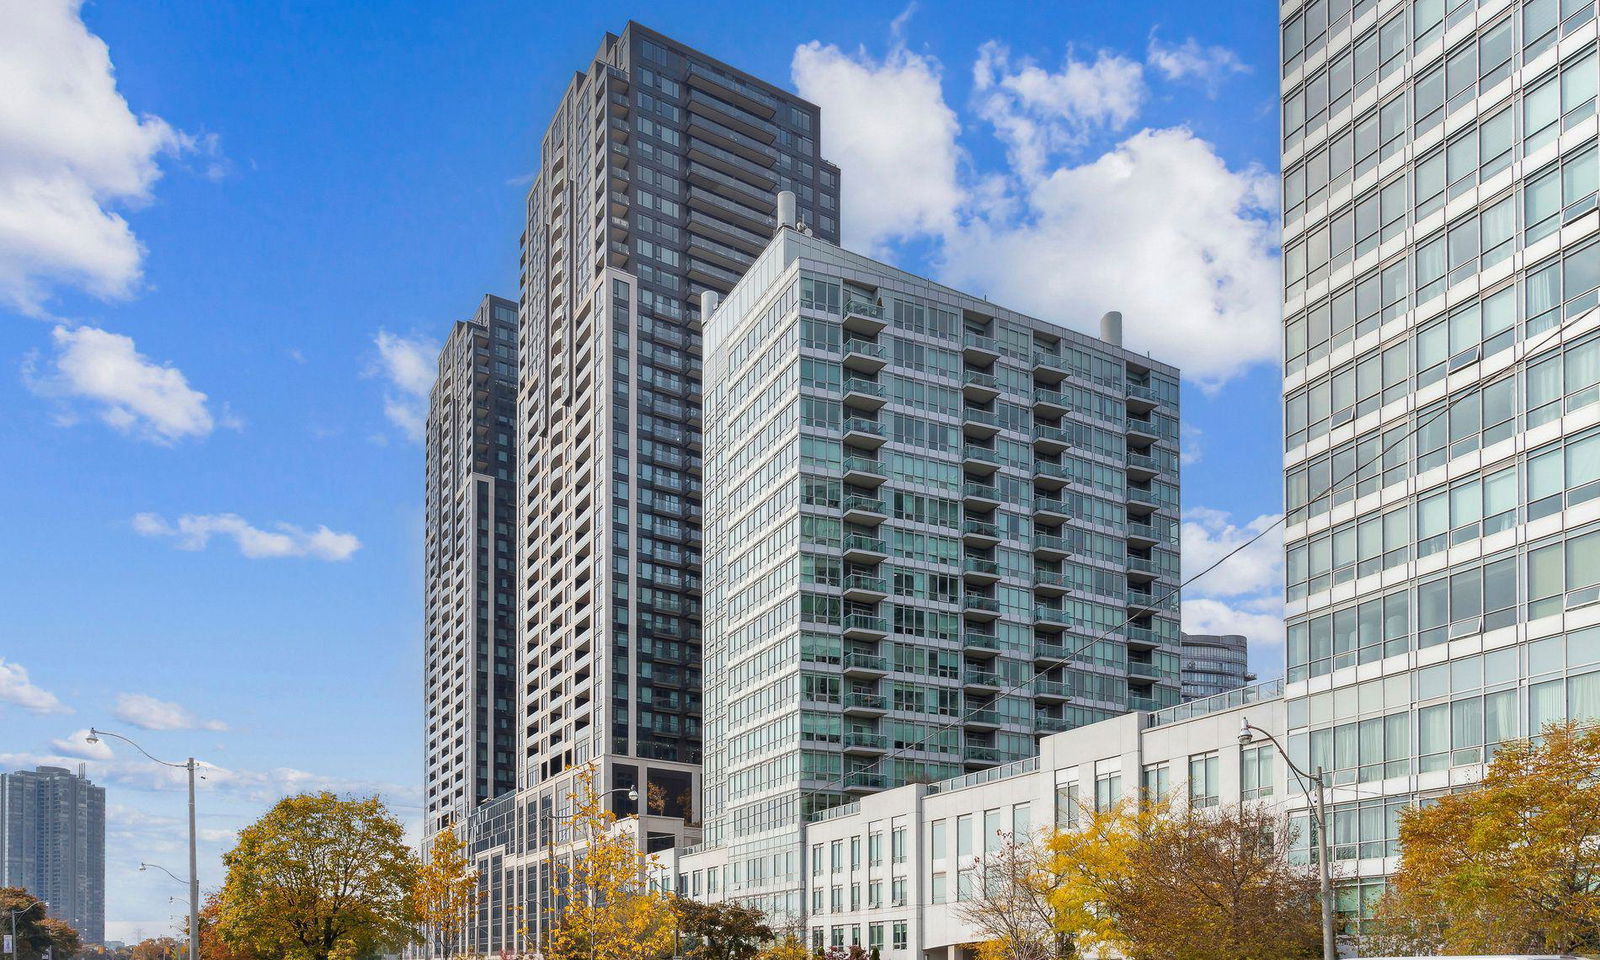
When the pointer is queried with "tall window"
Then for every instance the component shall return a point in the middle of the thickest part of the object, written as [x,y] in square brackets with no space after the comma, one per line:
[1204,780]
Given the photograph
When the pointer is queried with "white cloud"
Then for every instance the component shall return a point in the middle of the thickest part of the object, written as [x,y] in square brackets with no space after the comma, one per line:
[1210,535]
[17,688]
[148,713]
[126,389]
[1159,226]
[194,532]
[409,365]
[887,126]
[77,745]
[71,151]
[1189,60]
[1037,113]
[1260,623]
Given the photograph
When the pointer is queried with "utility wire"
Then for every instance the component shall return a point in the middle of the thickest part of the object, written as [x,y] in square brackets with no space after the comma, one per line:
[1066,659]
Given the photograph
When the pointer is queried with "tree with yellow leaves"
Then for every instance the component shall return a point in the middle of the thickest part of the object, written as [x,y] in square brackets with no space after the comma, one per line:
[1186,884]
[1508,866]
[445,890]
[320,877]
[610,911]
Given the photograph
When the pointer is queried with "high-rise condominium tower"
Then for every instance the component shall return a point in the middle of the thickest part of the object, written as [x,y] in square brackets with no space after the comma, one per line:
[657,181]
[936,530]
[470,554]
[1214,663]
[53,844]
[1442,393]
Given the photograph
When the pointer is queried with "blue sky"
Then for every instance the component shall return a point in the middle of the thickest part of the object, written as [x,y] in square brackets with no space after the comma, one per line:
[223,263]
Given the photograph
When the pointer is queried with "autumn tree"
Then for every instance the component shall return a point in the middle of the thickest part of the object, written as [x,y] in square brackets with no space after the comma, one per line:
[1508,866]
[37,931]
[445,890]
[320,877]
[160,948]
[720,931]
[610,910]
[1187,884]
[1012,904]
[212,945]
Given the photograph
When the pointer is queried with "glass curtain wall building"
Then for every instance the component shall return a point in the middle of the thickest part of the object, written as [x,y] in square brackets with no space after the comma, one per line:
[1442,372]
[53,844]
[468,594]
[928,519]
[657,181]
[1214,663]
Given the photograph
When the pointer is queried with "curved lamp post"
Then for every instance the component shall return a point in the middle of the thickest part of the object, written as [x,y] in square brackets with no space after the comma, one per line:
[194,865]
[1248,733]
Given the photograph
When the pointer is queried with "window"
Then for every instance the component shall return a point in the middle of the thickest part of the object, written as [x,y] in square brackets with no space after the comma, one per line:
[1157,781]
[1205,781]
[1255,772]
[1107,791]
[897,844]
[900,940]
[1067,805]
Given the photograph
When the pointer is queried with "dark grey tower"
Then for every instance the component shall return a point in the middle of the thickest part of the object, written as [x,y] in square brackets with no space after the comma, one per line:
[53,844]
[470,554]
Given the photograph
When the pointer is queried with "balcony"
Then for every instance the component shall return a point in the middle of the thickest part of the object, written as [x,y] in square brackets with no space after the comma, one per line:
[728,115]
[1051,476]
[1141,398]
[865,781]
[980,496]
[1049,510]
[980,608]
[865,743]
[980,350]
[1049,367]
[979,424]
[721,135]
[865,665]
[982,679]
[1147,704]
[979,533]
[738,214]
[866,511]
[860,548]
[1143,637]
[1147,534]
[1050,583]
[979,387]
[864,472]
[1048,546]
[1050,440]
[752,98]
[1058,691]
[1049,404]
[863,394]
[1137,669]
[860,588]
[979,571]
[1142,570]
[982,718]
[707,154]
[980,644]
[1141,428]
[1050,618]
[1050,652]
[867,356]
[865,703]
[863,317]
[1048,725]
[862,432]
[865,626]
[982,461]
[979,754]
[1142,466]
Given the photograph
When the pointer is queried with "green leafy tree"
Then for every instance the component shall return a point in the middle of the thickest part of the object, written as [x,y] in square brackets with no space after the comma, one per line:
[320,877]
[720,931]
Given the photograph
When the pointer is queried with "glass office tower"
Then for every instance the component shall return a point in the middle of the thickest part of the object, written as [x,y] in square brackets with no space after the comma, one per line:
[1442,369]
[927,519]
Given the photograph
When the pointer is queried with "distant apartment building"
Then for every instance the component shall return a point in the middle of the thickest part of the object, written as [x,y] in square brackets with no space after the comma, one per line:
[657,181]
[53,844]
[1442,395]
[936,530]
[1213,663]
[470,578]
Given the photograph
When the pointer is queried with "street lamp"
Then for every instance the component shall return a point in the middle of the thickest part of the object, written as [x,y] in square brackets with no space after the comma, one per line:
[17,913]
[194,864]
[156,866]
[1247,733]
